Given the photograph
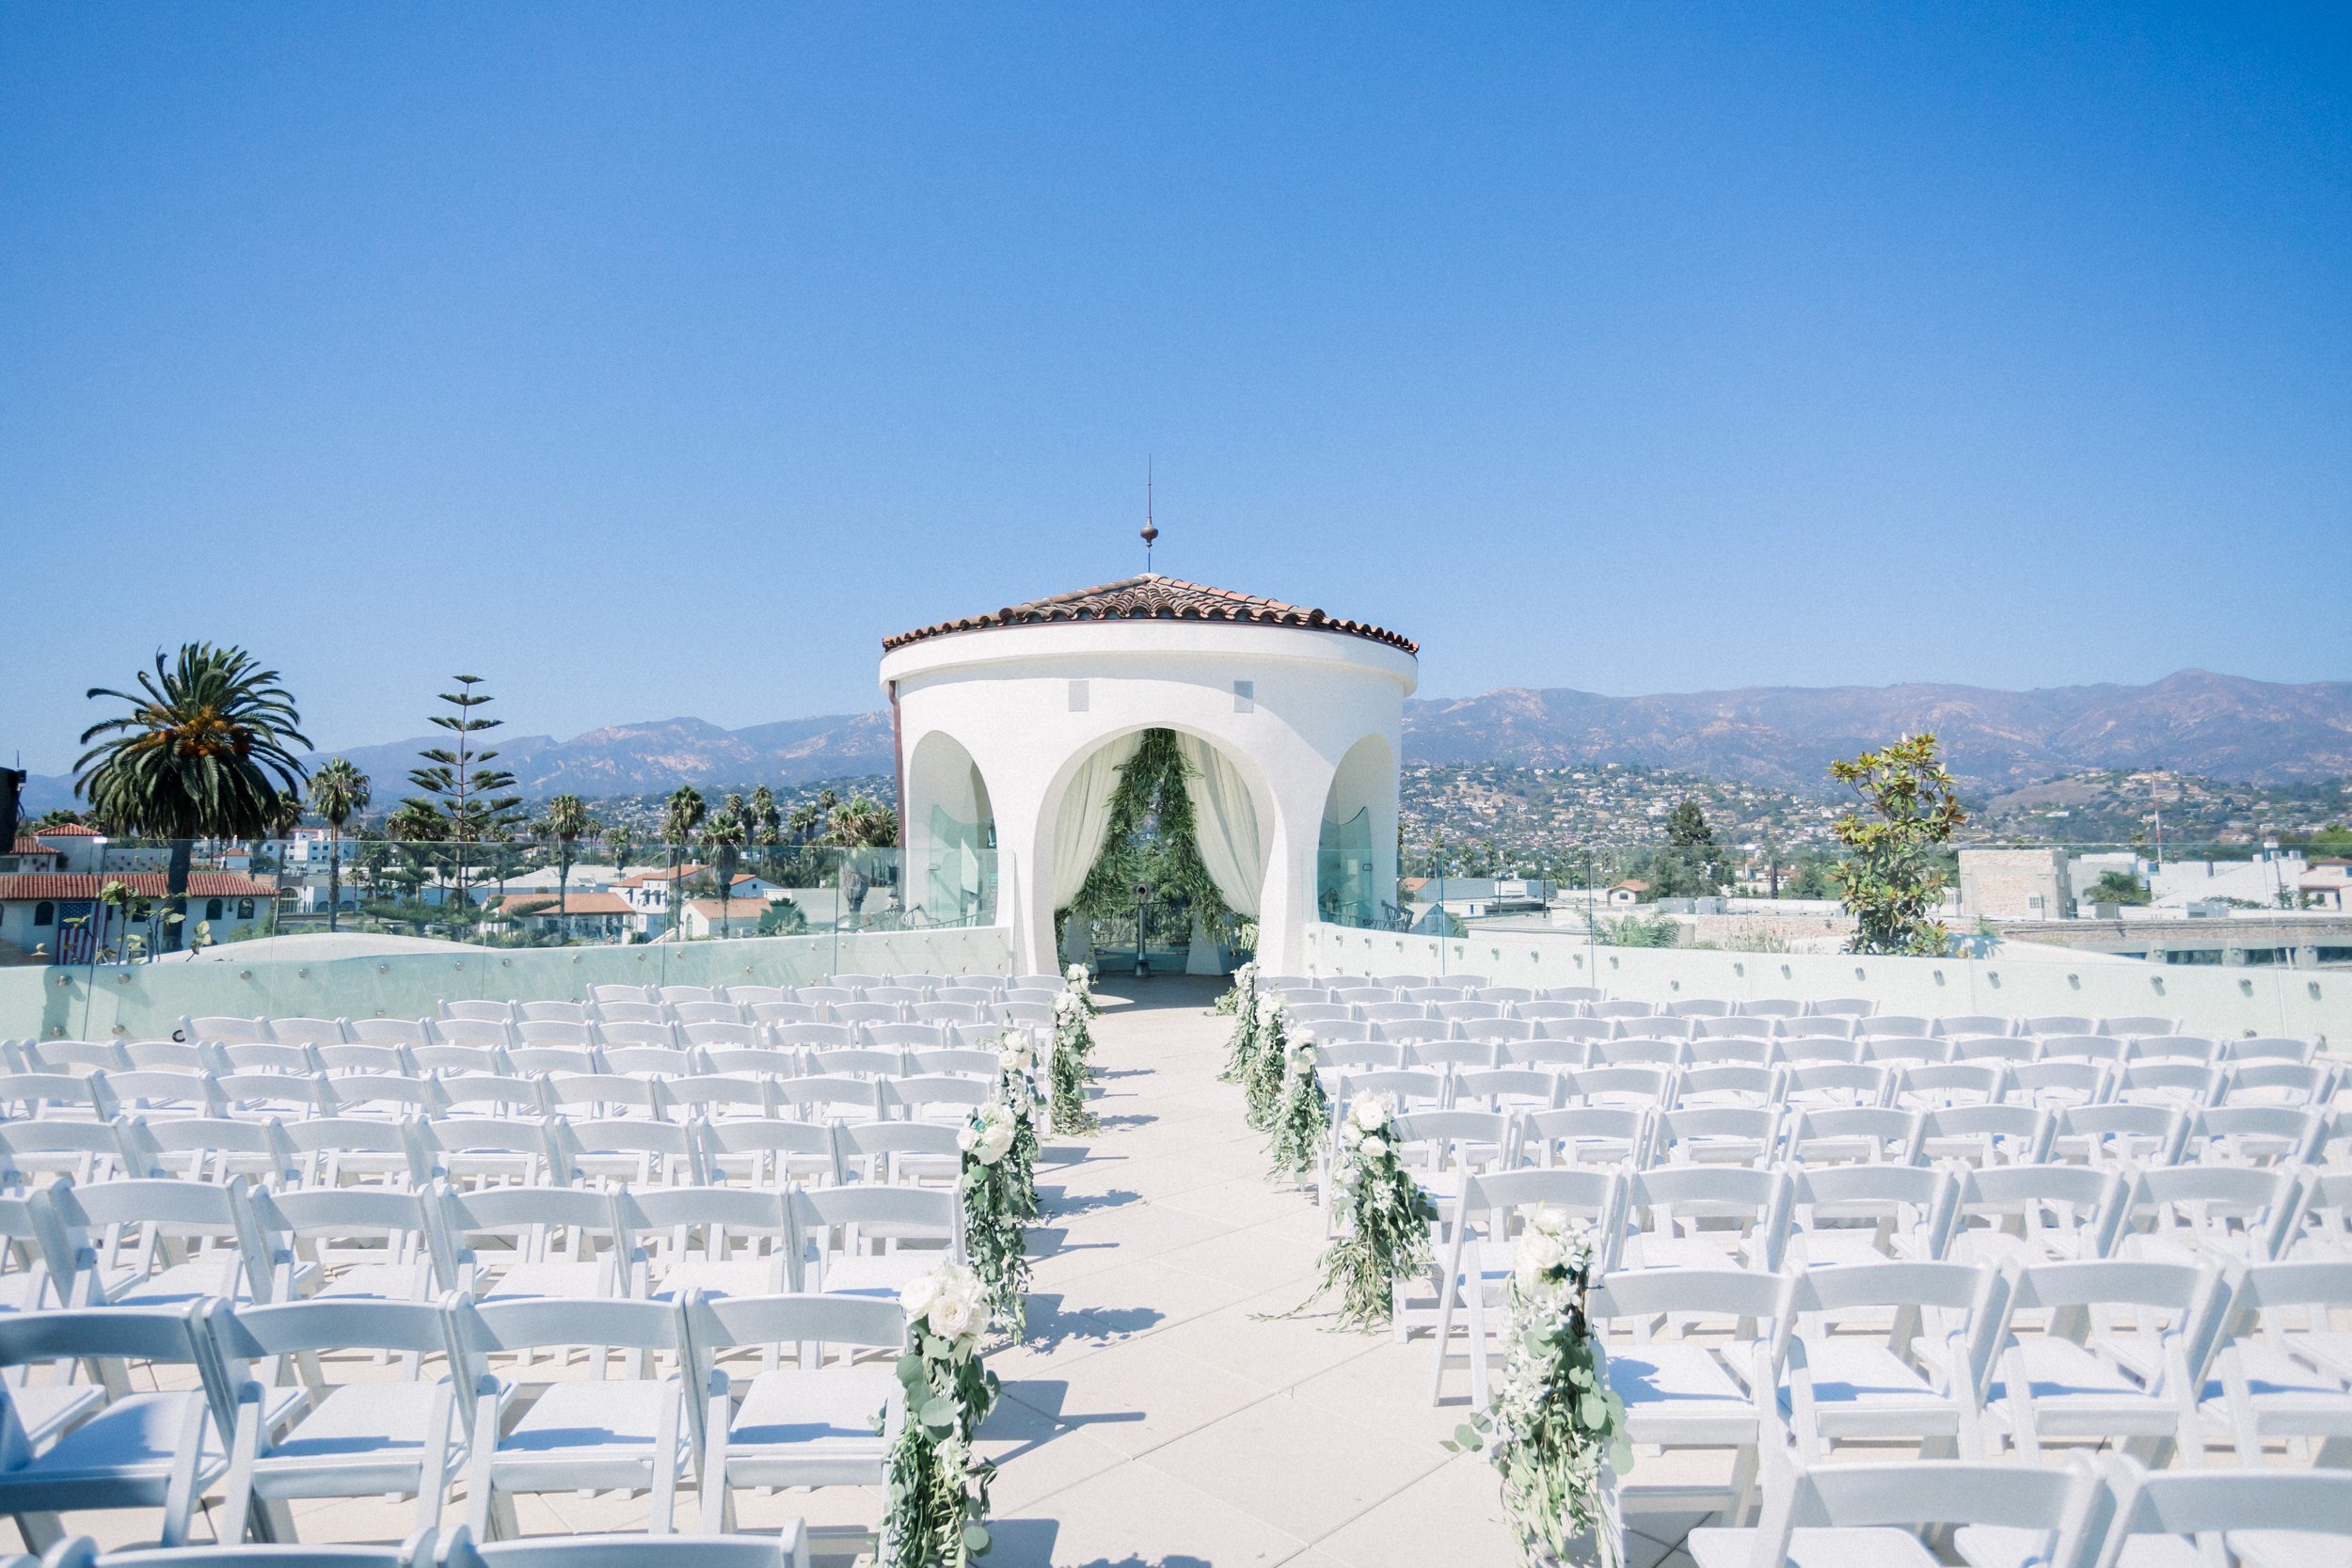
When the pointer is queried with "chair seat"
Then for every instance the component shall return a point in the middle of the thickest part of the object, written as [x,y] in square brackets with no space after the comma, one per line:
[411,1281]
[2008,1547]
[1843,1244]
[1679,1393]
[179,1284]
[360,1439]
[2287,1395]
[814,1428]
[733,1277]
[1712,1249]
[1860,1388]
[1813,1549]
[550,1279]
[2285,1548]
[588,1434]
[119,1458]
[45,1410]
[878,1273]
[2076,1393]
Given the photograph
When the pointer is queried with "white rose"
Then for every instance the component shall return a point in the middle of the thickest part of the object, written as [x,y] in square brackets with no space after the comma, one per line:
[919,1294]
[1367,1112]
[1375,1146]
[994,1142]
[967,1138]
[1077,975]
[951,1317]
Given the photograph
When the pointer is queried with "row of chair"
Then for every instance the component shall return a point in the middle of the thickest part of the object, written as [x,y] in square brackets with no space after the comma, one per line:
[1444,1074]
[164,1242]
[429,1548]
[257,1414]
[336,1151]
[688,1023]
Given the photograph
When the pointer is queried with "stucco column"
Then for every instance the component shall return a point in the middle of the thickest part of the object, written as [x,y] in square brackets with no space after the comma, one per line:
[1288,902]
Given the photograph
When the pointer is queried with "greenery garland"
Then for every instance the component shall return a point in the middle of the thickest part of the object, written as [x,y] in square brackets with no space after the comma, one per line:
[1384,1237]
[938,1483]
[1557,1427]
[1302,1122]
[1152,789]
[999,1187]
[1072,1068]
[1266,1066]
[1241,1002]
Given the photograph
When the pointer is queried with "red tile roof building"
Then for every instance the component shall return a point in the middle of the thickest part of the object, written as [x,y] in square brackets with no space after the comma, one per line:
[1153,598]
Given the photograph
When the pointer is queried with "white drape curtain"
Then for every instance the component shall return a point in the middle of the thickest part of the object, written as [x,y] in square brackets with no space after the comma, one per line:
[1224,823]
[1086,817]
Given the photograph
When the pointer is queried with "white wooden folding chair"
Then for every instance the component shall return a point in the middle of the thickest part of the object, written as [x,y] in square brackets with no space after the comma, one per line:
[1870,1213]
[1880,1351]
[2121,1353]
[871,1239]
[1707,1217]
[1480,1227]
[2280,1372]
[631,1433]
[1875,1515]
[720,1241]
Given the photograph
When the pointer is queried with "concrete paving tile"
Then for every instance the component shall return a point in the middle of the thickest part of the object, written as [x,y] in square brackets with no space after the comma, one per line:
[1291,1465]
[1135,1397]
[1451,1513]
[1134,1515]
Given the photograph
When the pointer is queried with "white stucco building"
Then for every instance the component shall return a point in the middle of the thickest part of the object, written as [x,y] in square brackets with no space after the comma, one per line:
[1011,725]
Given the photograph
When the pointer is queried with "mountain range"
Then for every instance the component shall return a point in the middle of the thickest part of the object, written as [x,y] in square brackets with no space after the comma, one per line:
[2193,722]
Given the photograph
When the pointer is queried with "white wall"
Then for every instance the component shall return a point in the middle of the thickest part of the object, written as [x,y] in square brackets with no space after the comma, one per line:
[142,1001]
[2210,1000]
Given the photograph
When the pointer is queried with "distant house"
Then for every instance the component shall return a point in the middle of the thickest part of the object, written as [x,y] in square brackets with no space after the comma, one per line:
[703,918]
[648,892]
[1632,891]
[589,915]
[2326,886]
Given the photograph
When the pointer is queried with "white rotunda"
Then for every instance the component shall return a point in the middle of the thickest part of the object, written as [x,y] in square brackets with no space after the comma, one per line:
[1011,728]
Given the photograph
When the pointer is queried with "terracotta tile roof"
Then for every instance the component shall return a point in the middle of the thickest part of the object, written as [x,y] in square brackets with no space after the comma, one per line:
[71,829]
[201,884]
[1153,598]
[32,846]
[531,905]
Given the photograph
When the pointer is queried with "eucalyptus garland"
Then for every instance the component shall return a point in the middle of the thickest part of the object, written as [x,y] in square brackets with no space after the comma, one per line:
[1302,1122]
[1230,1001]
[1071,1070]
[1558,1429]
[999,1187]
[938,1483]
[1384,1237]
[1152,790]
[1242,1051]
[1267,1065]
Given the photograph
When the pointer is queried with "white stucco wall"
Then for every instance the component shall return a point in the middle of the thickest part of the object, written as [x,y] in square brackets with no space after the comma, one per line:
[1004,694]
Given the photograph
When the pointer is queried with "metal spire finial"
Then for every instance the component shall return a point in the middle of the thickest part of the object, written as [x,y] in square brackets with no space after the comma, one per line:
[1151,533]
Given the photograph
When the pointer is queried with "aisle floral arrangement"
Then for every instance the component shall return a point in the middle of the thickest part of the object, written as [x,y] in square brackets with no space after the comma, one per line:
[1302,1120]
[1235,1003]
[999,1185]
[1384,1235]
[1072,1068]
[1556,1425]
[1267,1064]
[938,1483]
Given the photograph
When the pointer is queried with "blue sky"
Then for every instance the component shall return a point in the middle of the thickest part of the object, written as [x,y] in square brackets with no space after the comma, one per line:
[661,360]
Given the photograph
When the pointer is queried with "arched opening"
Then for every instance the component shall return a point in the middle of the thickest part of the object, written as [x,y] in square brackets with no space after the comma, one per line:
[1156,858]
[1349,887]
[950,837]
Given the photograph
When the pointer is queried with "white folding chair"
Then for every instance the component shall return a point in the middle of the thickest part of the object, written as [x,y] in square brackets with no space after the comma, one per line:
[1874,1515]
[1480,1231]
[558,1241]
[720,1241]
[1888,1350]
[1707,1217]
[872,1240]
[631,1433]
[2280,1371]
[2121,1354]
[1870,1213]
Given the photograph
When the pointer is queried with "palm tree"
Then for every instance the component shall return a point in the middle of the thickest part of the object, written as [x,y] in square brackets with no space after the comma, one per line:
[567,823]
[680,817]
[338,792]
[204,753]
[859,824]
[620,843]
[726,836]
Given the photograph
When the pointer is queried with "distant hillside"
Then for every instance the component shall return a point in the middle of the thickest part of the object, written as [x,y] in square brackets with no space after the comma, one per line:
[2196,723]
[2220,726]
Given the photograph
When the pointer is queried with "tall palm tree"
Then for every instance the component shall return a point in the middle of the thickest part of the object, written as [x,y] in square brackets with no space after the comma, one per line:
[338,792]
[680,817]
[567,823]
[204,753]
[620,843]
[724,835]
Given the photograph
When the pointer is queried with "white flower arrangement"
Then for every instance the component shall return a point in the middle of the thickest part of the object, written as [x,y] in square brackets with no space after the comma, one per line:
[988,1136]
[938,1483]
[1556,1425]
[1384,1237]
[999,1187]
[1267,1065]
[1071,1068]
[1302,1122]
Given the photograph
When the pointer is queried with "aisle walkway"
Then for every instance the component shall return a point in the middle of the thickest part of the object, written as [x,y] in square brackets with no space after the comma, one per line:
[1153,1422]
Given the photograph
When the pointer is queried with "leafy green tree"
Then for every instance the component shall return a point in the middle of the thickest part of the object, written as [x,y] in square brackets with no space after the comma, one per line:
[620,843]
[338,792]
[204,753]
[458,781]
[1691,864]
[1893,877]
[2115,887]
[567,822]
[1811,880]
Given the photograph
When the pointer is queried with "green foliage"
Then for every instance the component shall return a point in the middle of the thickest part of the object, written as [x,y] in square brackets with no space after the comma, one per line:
[783,918]
[1893,877]
[1150,840]
[338,792]
[204,753]
[2115,887]
[1811,879]
[1635,930]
